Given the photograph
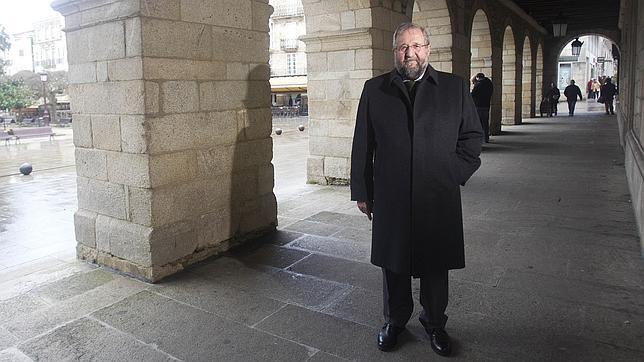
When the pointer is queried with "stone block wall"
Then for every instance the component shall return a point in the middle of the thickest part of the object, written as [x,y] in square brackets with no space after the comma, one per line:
[630,103]
[509,85]
[435,17]
[172,126]
[347,42]
[527,107]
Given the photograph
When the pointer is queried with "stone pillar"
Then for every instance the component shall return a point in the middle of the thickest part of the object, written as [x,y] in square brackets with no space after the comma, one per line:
[172,124]
[497,81]
[347,43]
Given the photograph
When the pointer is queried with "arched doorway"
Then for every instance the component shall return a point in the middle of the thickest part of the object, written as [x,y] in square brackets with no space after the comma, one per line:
[435,17]
[589,69]
[508,96]
[481,45]
[527,109]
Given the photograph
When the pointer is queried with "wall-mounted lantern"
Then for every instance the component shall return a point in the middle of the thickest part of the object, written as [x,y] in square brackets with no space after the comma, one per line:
[576,47]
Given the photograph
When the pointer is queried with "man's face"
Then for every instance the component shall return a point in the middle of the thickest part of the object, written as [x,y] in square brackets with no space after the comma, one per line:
[411,53]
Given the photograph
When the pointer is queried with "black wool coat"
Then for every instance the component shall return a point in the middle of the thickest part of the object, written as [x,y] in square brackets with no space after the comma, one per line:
[410,162]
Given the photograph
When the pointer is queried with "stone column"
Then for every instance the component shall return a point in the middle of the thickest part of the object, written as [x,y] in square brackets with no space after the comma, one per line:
[347,43]
[497,81]
[172,123]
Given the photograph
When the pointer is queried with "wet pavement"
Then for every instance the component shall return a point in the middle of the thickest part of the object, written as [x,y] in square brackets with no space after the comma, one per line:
[554,266]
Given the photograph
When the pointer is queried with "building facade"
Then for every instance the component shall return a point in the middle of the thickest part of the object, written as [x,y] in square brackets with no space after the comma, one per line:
[42,49]
[595,60]
[287,53]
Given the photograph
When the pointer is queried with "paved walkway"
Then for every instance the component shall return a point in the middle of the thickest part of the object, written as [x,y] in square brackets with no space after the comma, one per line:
[554,269]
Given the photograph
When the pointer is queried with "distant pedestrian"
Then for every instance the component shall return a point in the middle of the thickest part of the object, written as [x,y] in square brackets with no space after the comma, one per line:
[596,87]
[571,92]
[482,94]
[589,89]
[608,92]
[553,95]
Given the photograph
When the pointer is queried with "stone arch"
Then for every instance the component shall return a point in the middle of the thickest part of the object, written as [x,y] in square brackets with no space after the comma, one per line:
[481,44]
[508,88]
[435,16]
[526,80]
[553,47]
[559,46]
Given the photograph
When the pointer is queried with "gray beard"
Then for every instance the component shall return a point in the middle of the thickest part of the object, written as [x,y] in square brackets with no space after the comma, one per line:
[408,73]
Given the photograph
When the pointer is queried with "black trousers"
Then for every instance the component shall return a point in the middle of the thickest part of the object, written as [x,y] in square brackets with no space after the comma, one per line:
[399,304]
[571,105]
[608,105]
[484,116]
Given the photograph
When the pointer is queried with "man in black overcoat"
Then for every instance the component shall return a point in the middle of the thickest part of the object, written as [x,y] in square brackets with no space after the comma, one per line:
[572,92]
[482,94]
[417,139]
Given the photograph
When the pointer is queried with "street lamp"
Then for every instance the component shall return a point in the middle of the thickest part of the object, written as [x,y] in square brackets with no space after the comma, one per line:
[43,79]
[576,47]
[559,26]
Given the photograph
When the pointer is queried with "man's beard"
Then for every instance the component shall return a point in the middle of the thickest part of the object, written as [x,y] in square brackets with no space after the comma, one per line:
[411,69]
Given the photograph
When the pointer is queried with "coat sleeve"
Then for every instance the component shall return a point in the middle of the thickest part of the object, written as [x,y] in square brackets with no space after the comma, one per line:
[362,153]
[470,138]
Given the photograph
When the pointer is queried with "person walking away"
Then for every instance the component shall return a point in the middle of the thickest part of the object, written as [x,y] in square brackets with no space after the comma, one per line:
[553,95]
[482,94]
[417,139]
[589,89]
[596,87]
[608,91]
[571,92]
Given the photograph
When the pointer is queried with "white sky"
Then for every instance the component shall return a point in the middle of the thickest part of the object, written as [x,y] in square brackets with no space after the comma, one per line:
[18,15]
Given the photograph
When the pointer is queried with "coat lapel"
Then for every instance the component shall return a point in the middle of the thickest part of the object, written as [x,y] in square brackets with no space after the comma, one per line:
[396,81]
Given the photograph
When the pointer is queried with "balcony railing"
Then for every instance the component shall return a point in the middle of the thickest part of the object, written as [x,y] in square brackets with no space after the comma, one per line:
[288,72]
[285,9]
[289,45]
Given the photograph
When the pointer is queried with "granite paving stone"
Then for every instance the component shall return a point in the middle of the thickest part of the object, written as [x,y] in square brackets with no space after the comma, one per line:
[315,228]
[325,357]
[575,291]
[15,281]
[16,306]
[43,320]
[193,334]
[341,219]
[13,355]
[88,340]
[73,285]
[364,275]
[346,249]
[227,302]
[348,340]
[276,284]
[360,305]
[279,237]
[6,339]
[353,234]
[274,256]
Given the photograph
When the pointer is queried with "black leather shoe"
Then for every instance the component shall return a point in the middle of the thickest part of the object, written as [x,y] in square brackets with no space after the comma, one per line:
[388,337]
[439,339]
[440,342]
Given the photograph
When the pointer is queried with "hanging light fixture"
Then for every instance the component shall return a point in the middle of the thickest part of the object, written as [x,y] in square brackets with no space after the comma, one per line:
[559,26]
[576,47]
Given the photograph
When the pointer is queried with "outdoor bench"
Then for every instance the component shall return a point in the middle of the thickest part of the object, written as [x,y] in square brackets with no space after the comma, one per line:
[32,132]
